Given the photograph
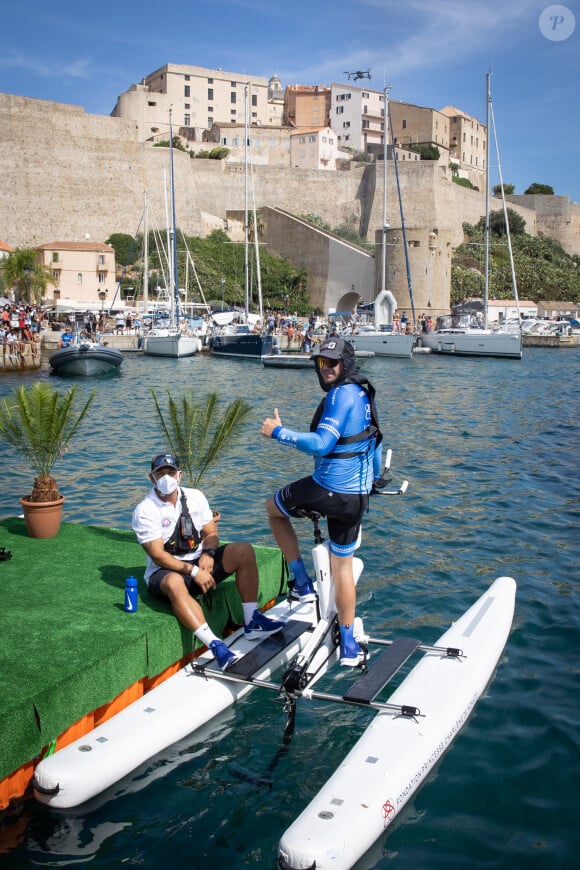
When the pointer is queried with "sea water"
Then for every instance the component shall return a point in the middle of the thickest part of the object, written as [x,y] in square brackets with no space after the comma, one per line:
[490,450]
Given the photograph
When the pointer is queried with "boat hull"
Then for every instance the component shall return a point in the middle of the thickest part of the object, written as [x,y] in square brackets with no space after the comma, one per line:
[476,343]
[395,753]
[384,343]
[244,346]
[85,360]
[171,344]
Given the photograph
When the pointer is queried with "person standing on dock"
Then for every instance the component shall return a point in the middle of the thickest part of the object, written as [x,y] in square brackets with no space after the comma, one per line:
[345,440]
[176,528]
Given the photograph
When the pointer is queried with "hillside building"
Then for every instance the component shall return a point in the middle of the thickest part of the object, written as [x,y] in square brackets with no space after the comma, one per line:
[467,145]
[357,116]
[198,97]
[306,106]
[83,273]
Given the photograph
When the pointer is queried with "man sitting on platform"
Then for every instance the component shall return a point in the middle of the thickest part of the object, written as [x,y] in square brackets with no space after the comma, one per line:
[176,528]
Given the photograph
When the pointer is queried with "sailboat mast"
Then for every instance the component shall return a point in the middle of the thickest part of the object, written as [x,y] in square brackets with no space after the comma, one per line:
[246,237]
[145,258]
[173,224]
[487,177]
[385,152]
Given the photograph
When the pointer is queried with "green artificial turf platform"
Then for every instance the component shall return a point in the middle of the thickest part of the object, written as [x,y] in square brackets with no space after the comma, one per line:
[67,646]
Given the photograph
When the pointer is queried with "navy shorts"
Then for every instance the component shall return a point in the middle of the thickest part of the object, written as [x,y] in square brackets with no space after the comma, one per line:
[343,510]
[218,574]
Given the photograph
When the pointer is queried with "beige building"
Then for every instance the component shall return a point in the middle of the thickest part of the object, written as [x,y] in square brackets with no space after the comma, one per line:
[268,145]
[83,273]
[314,149]
[198,97]
[417,125]
[306,106]
[5,250]
[467,145]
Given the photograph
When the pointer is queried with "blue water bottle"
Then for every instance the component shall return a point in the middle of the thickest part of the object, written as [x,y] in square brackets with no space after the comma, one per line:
[131,595]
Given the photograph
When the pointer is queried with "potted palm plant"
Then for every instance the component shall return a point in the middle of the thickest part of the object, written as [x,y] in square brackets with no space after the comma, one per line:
[195,434]
[38,422]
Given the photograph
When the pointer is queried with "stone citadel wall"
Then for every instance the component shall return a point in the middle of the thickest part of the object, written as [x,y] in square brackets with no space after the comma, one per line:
[65,174]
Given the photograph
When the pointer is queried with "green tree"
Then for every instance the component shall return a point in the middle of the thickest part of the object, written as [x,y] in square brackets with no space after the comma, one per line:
[25,276]
[540,188]
[125,249]
[508,189]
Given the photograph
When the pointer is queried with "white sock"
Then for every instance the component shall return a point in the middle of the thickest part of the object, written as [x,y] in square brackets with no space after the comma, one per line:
[205,634]
[249,607]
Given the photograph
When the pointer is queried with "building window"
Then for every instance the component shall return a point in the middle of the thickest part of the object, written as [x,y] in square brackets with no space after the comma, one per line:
[210,108]
[55,256]
[233,97]
[187,78]
[79,278]
[404,125]
[210,122]
[187,91]
[365,95]
[102,277]
[101,259]
[339,110]
[254,99]
[186,120]
[366,125]
[187,106]
[56,277]
[210,81]
[234,84]
[210,95]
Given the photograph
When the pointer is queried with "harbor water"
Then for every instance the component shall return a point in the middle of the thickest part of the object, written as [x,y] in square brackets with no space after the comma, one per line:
[490,450]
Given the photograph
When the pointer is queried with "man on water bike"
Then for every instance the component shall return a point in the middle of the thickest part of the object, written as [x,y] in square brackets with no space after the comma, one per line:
[345,439]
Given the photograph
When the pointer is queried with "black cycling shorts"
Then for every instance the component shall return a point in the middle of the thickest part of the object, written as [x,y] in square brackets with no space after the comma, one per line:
[218,574]
[343,510]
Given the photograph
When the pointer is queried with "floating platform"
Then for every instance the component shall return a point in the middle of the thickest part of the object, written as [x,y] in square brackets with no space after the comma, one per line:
[70,656]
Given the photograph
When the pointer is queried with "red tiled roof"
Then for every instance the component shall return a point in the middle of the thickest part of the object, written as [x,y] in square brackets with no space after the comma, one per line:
[74,246]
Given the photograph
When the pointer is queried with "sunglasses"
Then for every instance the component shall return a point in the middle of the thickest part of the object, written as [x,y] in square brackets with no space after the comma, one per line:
[164,459]
[329,363]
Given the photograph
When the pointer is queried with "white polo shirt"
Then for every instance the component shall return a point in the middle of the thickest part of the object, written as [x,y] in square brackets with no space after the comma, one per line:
[154,519]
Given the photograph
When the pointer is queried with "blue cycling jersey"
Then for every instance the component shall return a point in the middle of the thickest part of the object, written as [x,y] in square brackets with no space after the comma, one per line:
[347,412]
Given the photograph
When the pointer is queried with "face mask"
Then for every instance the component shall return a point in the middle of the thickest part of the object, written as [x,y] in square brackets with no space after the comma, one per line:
[167,484]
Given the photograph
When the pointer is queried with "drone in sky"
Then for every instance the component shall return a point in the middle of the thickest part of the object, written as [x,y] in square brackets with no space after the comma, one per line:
[359,74]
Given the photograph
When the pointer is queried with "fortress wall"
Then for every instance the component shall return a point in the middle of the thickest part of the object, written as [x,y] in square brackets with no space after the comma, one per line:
[555,216]
[65,174]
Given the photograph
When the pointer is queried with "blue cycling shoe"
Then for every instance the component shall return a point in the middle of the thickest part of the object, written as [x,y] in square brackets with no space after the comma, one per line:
[304,593]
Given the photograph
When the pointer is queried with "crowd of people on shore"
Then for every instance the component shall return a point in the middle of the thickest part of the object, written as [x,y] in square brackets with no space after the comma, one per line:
[20,334]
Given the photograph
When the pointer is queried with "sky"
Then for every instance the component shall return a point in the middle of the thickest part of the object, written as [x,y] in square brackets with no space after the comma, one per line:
[431,53]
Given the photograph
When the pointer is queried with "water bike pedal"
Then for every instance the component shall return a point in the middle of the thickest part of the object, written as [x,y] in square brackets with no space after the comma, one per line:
[254,660]
[391,660]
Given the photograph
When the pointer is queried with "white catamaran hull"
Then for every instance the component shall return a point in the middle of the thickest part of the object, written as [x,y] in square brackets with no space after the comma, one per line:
[395,753]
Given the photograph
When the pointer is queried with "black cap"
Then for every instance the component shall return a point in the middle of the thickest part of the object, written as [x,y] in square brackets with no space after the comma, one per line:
[334,348]
[165,460]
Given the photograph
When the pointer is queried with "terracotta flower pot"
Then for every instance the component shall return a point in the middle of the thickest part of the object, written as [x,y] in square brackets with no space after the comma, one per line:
[42,518]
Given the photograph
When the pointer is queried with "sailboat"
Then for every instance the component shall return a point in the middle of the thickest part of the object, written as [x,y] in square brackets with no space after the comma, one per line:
[170,340]
[451,336]
[240,339]
[378,338]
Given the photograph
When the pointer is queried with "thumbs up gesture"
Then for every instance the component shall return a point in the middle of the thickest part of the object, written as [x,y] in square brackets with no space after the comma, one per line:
[271,423]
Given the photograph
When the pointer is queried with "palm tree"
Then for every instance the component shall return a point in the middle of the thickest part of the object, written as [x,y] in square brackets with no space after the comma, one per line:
[38,423]
[25,275]
[194,435]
